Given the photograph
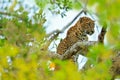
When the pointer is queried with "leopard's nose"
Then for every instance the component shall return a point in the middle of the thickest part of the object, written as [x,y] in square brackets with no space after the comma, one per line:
[92,31]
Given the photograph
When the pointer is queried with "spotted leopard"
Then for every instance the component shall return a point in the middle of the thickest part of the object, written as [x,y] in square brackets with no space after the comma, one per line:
[78,32]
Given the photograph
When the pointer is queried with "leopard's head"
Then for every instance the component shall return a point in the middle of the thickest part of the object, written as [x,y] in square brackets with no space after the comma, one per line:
[87,25]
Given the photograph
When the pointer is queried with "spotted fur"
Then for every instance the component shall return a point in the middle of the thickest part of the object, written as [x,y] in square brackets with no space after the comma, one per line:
[78,32]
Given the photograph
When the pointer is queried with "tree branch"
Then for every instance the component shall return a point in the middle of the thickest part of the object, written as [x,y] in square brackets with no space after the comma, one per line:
[78,46]
[82,47]
[12,14]
[102,35]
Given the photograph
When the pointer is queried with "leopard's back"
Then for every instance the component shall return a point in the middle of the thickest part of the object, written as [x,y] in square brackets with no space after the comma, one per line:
[63,46]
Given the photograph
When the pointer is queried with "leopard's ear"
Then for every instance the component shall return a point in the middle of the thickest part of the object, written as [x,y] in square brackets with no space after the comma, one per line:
[81,20]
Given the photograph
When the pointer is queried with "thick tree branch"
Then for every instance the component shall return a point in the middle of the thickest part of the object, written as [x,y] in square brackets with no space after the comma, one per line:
[82,47]
[78,46]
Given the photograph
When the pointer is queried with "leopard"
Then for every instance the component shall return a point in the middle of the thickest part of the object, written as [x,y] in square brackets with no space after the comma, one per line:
[83,27]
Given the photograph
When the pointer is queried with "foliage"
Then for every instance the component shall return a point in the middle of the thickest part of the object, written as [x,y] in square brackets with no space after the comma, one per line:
[22,42]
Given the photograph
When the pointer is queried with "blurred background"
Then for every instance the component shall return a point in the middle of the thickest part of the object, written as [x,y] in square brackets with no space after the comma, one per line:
[24,25]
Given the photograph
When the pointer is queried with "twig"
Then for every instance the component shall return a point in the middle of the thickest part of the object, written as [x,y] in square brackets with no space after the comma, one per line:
[12,14]
[53,32]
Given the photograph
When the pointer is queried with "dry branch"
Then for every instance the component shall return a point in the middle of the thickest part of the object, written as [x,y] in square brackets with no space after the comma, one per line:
[102,35]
